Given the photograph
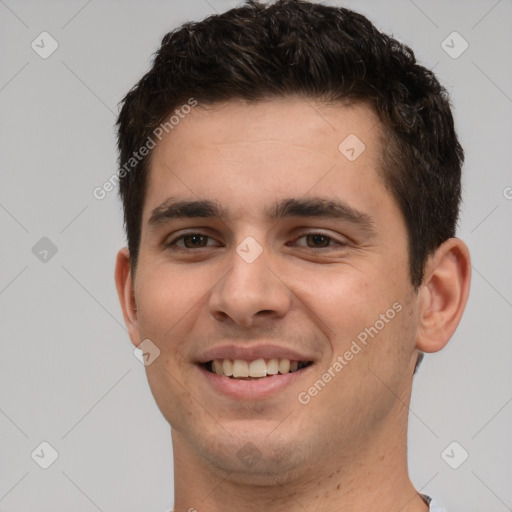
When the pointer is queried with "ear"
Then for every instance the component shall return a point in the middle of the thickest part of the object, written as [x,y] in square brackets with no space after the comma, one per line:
[443,294]
[124,285]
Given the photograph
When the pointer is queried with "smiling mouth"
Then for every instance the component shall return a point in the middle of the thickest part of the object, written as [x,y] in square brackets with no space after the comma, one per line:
[257,369]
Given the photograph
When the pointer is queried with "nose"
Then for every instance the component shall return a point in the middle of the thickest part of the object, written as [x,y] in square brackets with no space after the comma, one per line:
[250,293]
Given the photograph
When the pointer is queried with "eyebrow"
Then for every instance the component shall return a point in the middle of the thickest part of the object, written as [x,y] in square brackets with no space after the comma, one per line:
[182,209]
[314,207]
[322,208]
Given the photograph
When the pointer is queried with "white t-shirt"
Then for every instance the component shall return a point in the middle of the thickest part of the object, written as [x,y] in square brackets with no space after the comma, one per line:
[434,507]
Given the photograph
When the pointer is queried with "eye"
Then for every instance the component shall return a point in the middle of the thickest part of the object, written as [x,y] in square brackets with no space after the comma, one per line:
[194,240]
[318,241]
[191,241]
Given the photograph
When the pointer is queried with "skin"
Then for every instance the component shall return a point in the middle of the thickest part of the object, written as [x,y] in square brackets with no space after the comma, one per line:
[346,448]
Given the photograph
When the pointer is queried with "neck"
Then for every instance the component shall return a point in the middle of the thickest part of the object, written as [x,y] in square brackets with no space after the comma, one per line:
[367,474]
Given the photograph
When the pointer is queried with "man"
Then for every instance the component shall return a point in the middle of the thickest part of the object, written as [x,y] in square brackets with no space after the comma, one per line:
[291,181]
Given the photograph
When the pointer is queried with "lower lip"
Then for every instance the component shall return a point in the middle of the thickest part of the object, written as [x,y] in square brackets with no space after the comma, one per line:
[252,389]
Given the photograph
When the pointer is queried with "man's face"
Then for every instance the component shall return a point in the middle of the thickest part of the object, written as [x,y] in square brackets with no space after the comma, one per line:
[275,279]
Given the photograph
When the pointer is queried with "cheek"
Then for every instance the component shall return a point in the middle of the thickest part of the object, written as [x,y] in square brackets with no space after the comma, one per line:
[370,363]
[347,301]
[168,299]
[369,324]
[171,393]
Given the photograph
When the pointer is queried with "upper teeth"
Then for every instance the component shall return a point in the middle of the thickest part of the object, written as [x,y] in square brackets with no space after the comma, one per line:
[258,368]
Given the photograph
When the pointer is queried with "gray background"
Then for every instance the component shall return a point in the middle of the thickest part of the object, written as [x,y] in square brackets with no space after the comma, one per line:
[68,375]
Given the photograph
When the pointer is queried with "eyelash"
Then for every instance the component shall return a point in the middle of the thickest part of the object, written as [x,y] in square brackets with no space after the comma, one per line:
[173,243]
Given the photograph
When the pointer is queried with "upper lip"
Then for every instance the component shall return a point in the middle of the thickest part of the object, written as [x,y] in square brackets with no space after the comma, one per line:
[251,353]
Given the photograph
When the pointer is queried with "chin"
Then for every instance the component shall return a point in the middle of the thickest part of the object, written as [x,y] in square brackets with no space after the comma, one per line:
[257,456]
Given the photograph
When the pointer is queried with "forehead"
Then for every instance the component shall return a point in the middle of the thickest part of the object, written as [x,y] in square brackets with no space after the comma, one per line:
[251,151]
[297,120]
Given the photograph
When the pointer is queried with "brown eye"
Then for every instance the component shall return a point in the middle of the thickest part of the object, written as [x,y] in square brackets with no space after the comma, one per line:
[194,241]
[318,240]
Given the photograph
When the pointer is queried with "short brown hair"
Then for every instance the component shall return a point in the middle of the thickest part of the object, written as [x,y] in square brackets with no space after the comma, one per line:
[256,52]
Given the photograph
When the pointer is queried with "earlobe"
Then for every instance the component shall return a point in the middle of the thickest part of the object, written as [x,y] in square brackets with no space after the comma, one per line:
[125,292]
[443,294]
